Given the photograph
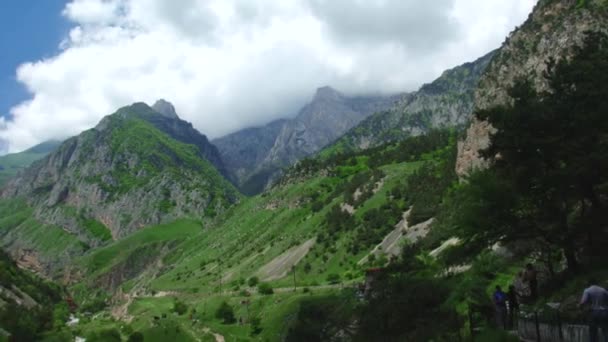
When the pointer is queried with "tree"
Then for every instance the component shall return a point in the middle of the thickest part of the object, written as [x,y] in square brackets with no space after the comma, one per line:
[265,289]
[253,281]
[550,154]
[333,278]
[180,307]
[136,337]
[225,313]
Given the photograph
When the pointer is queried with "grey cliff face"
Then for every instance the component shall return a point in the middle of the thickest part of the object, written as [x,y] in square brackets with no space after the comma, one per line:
[553,28]
[165,108]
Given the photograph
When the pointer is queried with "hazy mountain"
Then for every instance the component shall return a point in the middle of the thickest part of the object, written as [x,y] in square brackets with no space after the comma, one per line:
[255,156]
[445,102]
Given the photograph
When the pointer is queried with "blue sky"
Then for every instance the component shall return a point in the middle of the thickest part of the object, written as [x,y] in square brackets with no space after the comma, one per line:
[29,30]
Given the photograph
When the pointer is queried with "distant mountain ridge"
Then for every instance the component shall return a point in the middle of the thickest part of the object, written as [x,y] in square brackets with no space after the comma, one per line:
[255,156]
[444,103]
[11,164]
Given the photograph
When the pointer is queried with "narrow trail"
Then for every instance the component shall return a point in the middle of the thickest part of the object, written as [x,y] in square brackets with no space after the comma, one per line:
[218,337]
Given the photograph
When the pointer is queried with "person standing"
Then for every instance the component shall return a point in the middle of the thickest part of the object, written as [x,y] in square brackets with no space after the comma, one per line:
[597,298]
[500,306]
[513,305]
[531,278]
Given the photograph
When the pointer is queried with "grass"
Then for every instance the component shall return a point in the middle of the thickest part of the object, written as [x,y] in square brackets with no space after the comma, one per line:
[247,237]
[102,259]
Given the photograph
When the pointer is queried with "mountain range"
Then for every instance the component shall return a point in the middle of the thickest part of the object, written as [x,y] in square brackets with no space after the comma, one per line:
[256,156]
[142,215]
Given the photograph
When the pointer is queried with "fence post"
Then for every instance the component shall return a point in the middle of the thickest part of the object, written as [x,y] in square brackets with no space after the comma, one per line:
[471,330]
[537,326]
[559,326]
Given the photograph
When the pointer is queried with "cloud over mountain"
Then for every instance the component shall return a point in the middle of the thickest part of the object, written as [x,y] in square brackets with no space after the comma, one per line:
[227,64]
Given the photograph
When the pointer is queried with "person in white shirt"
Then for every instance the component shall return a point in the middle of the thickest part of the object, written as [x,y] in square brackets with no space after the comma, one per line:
[597,298]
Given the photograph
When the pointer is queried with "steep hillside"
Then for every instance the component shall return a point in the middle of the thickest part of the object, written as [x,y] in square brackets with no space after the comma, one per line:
[282,143]
[551,31]
[10,164]
[326,221]
[29,306]
[446,102]
[120,176]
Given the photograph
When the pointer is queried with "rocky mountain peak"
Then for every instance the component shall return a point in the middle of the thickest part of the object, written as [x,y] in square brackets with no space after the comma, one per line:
[327,93]
[165,108]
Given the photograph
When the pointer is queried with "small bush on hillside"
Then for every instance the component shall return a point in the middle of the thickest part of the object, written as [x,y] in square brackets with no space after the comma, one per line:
[253,281]
[136,337]
[225,313]
[256,329]
[107,335]
[265,289]
[333,278]
[180,307]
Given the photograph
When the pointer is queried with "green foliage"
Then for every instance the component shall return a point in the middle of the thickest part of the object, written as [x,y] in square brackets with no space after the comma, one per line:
[180,307]
[324,318]
[333,278]
[136,337]
[253,281]
[225,312]
[551,147]
[408,302]
[23,323]
[105,335]
[97,229]
[265,289]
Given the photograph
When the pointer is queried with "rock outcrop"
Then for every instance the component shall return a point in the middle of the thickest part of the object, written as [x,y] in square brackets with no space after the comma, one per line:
[551,31]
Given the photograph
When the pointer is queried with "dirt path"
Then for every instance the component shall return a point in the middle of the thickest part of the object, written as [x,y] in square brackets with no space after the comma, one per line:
[218,337]
[281,265]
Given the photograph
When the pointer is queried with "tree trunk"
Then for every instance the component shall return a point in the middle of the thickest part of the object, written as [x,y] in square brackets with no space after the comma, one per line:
[570,256]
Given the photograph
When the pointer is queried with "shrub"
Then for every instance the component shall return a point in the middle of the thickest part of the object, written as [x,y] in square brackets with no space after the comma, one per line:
[253,281]
[136,337]
[108,335]
[256,329]
[225,313]
[265,289]
[180,307]
[333,278]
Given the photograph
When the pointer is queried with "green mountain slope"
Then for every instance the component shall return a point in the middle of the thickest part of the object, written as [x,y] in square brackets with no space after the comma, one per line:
[114,179]
[323,222]
[10,164]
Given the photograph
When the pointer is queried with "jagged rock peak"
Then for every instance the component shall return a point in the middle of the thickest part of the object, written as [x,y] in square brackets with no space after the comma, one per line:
[327,93]
[165,108]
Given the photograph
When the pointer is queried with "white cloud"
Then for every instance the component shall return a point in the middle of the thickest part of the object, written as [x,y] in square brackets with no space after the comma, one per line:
[227,64]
